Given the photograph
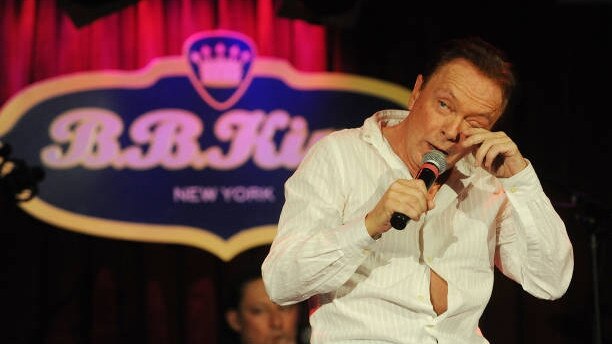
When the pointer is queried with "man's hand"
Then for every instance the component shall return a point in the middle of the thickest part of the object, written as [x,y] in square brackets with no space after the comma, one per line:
[495,152]
[409,197]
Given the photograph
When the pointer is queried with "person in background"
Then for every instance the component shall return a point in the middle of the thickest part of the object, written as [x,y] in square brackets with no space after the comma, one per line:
[248,310]
[429,282]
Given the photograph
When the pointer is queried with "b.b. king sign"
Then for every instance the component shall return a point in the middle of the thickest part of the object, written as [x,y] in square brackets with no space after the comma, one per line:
[193,149]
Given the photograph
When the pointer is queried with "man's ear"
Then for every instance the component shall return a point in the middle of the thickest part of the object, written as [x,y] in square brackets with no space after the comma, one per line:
[416,90]
[233,320]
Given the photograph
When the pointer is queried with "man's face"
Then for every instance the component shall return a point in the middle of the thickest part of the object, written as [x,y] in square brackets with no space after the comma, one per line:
[260,321]
[456,96]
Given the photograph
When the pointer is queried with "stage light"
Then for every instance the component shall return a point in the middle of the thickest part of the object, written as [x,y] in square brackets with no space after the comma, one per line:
[84,12]
[5,151]
[18,181]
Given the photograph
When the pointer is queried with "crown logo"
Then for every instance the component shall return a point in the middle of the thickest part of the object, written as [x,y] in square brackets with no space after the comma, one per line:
[221,64]
[220,67]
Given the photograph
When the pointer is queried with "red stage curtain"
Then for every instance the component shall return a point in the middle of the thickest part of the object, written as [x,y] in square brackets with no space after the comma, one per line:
[39,40]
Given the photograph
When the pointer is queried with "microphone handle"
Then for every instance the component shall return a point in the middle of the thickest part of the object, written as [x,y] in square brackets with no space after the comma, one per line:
[428,175]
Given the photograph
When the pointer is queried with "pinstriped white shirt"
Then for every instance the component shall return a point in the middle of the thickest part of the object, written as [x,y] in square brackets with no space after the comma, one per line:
[377,291]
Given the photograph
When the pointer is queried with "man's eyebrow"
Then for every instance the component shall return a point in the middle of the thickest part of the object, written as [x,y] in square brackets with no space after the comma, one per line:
[446,93]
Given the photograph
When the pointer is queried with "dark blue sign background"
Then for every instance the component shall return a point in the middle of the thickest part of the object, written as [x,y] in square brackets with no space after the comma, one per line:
[146,196]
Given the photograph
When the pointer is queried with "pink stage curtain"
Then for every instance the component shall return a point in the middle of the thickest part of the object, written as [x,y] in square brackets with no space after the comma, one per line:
[71,288]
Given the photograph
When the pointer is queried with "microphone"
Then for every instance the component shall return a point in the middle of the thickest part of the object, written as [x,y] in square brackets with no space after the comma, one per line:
[433,164]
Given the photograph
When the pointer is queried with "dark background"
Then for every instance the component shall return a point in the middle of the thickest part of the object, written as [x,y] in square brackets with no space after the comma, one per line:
[561,52]
[559,118]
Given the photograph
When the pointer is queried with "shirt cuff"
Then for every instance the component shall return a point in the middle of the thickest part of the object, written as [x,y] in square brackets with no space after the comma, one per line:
[353,236]
[522,183]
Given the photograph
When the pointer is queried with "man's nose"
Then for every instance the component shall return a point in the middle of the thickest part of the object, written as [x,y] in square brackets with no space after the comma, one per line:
[452,128]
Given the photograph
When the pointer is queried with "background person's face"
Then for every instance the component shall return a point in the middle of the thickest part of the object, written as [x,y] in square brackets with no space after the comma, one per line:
[260,321]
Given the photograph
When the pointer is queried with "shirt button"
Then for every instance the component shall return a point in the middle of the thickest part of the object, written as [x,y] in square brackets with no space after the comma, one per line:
[513,189]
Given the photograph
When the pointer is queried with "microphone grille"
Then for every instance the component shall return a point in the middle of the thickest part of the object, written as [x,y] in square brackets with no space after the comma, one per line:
[437,158]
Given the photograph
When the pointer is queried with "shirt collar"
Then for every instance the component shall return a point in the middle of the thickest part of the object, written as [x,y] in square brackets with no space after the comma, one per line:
[372,127]
[371,132]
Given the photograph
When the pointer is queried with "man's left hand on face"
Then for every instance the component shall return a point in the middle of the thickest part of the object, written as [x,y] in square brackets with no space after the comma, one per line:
[495,152]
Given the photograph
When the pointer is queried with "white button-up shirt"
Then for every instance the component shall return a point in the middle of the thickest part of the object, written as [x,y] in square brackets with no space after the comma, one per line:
[377,291]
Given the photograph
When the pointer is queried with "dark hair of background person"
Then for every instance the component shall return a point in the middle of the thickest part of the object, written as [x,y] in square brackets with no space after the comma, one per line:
[242,269]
